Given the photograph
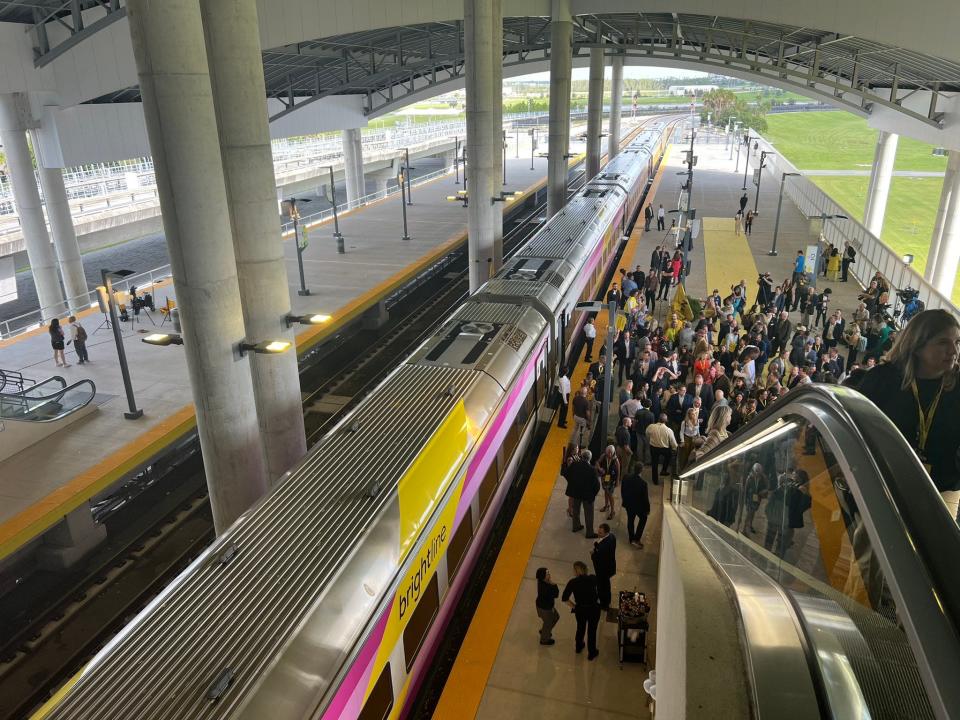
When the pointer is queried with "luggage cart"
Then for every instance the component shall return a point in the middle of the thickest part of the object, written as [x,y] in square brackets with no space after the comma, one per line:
[632,626]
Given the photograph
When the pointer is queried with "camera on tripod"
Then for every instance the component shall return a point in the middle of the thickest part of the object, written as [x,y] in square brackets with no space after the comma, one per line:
[907,294]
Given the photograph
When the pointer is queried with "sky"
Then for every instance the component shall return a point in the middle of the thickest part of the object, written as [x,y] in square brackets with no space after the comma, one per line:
[628,72]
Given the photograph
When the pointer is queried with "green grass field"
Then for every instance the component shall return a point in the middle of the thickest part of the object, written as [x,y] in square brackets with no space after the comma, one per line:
[841,141]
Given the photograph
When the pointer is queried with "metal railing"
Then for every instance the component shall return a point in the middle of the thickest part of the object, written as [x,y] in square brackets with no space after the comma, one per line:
[873,255]
[144,282]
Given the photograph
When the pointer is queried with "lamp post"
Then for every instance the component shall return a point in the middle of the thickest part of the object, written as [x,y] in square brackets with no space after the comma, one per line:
[533,144]
[295,216]
[763,157]
[776,224]
[404,203]
[456,159]
[733,141]
[503,155]
[107,277]
[406,172]
[746,157]
[336,220]
[612,308]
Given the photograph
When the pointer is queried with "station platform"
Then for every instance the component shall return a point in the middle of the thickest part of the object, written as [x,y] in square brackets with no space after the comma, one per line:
[45,482]
[501,670]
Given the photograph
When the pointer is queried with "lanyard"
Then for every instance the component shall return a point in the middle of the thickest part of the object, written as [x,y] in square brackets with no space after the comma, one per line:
[925,418]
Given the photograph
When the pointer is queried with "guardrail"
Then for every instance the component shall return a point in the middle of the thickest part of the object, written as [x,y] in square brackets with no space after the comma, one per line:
[873,255]
[144,282]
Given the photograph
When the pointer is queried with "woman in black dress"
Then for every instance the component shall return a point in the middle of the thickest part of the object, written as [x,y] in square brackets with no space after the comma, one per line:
[56,341]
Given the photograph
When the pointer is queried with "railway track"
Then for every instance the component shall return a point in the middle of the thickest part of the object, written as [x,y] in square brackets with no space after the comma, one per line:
[50,641]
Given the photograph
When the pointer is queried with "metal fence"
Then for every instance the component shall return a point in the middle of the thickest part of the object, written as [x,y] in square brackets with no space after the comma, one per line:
[873,255]
[144,282]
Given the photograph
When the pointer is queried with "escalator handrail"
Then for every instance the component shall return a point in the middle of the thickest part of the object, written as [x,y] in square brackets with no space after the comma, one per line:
[26,391]
[904,515]
[36,401]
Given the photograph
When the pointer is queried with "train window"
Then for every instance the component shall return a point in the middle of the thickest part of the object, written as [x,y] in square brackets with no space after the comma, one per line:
[416,630]
[487,488]
[510,441]
[459,544]
[380,702]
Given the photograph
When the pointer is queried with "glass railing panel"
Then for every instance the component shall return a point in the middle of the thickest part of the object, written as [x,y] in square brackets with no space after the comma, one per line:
[784,498]
[45,388]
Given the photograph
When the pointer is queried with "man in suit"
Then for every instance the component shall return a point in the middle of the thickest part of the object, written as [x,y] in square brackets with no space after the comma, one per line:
[583,486]
[643,373]
[647,217]
[780,331]
[636,502]
[677,407]
[613,294]
[625,351]
[656,258]
[833,332]
[699,389]
[604,556]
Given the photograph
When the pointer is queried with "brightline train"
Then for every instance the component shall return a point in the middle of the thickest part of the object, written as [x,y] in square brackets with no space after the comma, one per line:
[329,598]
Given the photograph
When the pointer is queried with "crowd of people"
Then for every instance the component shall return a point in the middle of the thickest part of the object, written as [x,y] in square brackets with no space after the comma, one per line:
[710,368]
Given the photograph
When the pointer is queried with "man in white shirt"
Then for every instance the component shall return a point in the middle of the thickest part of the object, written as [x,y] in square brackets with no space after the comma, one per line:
[663,443]
[589,334]
[661,218]
[563,385]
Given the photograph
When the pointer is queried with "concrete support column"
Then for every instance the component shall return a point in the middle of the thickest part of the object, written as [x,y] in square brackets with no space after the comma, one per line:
[616,95]
[358,158]
[236,74]
[953,166]
[496,105]
[482,175]
[171,57]
[948,258]
[15,119]
[351,163]
[594,111]
[561,63]
[883,158]
[382,183]
[64,238]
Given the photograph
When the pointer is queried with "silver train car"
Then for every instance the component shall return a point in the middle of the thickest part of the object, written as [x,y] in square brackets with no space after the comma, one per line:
[328,599]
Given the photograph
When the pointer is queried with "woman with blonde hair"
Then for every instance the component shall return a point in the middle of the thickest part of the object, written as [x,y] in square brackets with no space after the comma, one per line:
[915,385]
[689,437]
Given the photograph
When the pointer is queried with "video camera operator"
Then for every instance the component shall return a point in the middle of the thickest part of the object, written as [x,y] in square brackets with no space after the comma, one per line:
[764,289]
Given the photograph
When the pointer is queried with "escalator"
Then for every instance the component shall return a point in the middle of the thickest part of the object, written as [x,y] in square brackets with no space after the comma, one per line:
[46,401]
[840,558]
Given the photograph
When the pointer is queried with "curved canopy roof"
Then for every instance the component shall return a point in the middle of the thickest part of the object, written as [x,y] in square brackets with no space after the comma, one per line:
[385,65]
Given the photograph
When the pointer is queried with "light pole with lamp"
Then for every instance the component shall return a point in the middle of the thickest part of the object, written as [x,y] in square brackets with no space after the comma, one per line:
[759,171]
[295,216]
[406,172]
[503,155]
[533,144]
[106,276]
[776,224]
[336,220]
[403,202]
[456,159]
[746,157]
[612,308]
[733,141]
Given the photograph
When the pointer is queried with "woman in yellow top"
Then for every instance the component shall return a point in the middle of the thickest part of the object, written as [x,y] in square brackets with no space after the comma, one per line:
[675,326]
[833,265]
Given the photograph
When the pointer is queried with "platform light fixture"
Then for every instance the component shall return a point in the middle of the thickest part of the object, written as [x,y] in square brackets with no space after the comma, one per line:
[162,339]
[268,347]
[461,197]
[940,152]
[907,259]
[313,319]
[505,196]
